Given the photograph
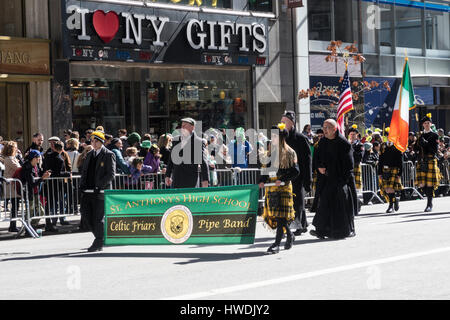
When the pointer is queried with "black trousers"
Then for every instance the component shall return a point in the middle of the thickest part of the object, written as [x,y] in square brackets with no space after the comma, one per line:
[93,213]
[299,205]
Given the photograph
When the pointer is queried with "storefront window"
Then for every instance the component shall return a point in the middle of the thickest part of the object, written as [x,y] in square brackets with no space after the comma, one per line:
[214,103]
[260,5]
[97,102]
[408,27]
[216,96]
[319,19]
[386,12]
[11,18]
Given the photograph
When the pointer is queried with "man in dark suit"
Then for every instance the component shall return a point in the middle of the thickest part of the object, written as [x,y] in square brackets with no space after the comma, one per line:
[96,176]
[299,142]
[188,153]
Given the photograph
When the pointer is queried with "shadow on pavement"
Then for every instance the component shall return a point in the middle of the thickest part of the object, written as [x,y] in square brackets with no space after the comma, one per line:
[46,256]
[195,257]
[417,220]
[297,242]
[384,214]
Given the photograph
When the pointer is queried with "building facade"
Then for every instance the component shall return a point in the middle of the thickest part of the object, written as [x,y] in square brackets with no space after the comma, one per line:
[143,65]
[384,31]
[25,71]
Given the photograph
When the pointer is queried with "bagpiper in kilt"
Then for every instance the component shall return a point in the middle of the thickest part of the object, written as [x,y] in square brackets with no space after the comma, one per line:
[389,174]
[427,170]
[357,174]
[279,199]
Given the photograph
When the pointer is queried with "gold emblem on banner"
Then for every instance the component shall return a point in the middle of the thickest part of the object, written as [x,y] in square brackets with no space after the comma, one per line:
[177,224]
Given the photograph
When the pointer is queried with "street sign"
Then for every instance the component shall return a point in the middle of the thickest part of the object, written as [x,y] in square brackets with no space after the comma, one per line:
[295,3]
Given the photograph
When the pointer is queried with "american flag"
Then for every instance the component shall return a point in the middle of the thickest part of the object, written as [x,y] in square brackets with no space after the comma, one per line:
[345,102]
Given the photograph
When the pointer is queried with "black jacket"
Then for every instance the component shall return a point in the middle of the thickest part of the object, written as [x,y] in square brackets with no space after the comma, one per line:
[358,152]
[105,169]
[55,163]
[299,142]
[31,177]
[392,158]
[428,142]
[184,162]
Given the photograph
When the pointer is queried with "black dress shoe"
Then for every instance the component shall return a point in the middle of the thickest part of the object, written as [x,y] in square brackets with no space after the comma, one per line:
[50,228]
[289,242]
[396,204]
[95,248]
[299,232]
[273,249]
[64,223]
[391,208]
[316,234]
[428,208]
[13,229]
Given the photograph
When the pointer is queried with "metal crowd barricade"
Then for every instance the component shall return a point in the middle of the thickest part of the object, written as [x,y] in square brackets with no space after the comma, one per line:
[13,204]
[151,181]
[408,177]
[444,168]
[57,197]
[370,181]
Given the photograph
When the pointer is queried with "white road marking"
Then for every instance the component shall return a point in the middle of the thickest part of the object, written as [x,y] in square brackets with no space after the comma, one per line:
[306,275]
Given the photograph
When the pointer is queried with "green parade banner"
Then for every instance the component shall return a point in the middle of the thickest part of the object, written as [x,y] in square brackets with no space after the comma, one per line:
[221,215]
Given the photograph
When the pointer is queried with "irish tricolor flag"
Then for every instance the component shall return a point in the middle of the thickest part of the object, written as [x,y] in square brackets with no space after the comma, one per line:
[399,128]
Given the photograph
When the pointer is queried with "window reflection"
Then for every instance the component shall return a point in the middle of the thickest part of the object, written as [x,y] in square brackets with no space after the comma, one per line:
[408,27]
[215,103]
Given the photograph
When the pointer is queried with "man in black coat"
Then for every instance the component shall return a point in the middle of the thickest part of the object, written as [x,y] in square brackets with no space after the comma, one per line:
[188,153]
[299,142]
[96,175]
[336,208]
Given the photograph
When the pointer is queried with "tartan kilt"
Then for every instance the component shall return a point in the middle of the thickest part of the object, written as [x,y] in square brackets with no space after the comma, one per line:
[393,181]
[427,172]
[314,182]
[358,178]
[286,207]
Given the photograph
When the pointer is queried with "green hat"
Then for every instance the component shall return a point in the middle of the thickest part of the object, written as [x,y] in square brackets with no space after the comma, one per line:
[146,144]
[133,138]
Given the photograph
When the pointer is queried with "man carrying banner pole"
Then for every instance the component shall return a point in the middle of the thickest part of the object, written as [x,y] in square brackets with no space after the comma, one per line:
[187,154]
[427,171]
[302,183]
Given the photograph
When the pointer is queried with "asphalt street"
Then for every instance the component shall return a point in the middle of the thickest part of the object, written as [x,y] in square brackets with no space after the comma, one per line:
[393,256]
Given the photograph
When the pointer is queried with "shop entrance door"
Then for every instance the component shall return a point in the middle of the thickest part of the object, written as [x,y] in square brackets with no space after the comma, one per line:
[14,123]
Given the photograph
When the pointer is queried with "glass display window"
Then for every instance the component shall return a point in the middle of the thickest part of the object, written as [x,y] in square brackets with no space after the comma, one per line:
[97,102]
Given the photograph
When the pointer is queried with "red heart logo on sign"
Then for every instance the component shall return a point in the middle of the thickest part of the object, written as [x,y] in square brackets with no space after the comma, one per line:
[106,25]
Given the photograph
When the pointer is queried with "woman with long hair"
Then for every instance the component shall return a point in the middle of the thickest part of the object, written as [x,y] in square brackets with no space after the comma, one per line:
[12,164]
[165,144]
[279,199]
